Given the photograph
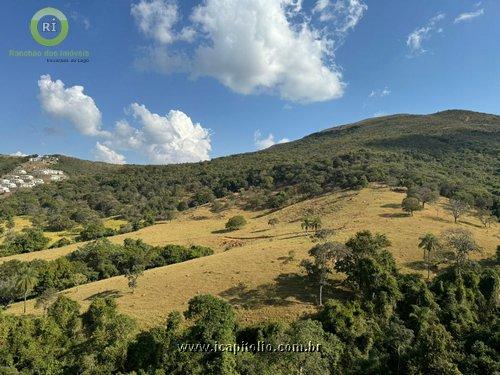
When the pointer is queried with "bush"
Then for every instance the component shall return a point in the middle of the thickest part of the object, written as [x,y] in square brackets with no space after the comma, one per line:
[61,242]
[410,204]
[94,231]
[236,222]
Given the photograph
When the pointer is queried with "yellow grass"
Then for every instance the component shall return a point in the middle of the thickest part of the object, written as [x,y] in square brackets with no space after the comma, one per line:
[114,223]
[255,276]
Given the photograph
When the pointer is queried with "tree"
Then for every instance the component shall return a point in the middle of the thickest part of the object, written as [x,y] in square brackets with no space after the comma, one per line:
[45,299]
[26,282]
[321,266]
[462,243]
[430,244]
[424,194]
[10,224]
[94,230]
[322,235]
[485,217]
[313,223]
[410,204]
[457,207]
[132,276]
[236,222]
[30,239]
[273,221]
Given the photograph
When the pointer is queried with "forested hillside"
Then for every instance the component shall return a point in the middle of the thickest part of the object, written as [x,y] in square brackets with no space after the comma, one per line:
[453,152]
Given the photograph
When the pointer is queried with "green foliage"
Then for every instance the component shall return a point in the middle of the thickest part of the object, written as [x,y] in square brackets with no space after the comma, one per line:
[30,239]
[236,222]
[452,152]
[95,230]
[93,261]
[410,205]
[449,327]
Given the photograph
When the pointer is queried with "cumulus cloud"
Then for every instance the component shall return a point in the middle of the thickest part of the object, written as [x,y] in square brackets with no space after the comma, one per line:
[467,16]
[70,104]
[345,14]
[380,93]
[262,143]
[172,138]
[251,46]
[418,36]
[156,19]
[104,153]
[19,154]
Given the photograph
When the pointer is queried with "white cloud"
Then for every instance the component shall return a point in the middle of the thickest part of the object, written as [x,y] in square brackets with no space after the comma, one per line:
[156,19]
[345,14]
[70,104]
[262,143]
[19,154]
[172,138]
[250,46]
[418,36]
[380,93]
[380,114]
[104,153]
[468,16]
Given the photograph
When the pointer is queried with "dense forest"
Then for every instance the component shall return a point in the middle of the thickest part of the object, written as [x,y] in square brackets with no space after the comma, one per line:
[387,323]
[455,153]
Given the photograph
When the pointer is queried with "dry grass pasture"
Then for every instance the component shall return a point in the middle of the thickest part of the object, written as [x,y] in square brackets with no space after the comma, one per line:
[252,268]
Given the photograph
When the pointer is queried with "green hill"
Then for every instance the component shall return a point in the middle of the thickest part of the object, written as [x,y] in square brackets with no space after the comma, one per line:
[455,151]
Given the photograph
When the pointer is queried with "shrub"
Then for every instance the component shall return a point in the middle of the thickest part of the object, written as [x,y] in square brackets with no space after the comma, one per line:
[236,222]
[410,204]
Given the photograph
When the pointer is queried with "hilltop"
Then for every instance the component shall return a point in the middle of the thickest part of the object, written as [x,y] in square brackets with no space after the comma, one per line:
[454,151]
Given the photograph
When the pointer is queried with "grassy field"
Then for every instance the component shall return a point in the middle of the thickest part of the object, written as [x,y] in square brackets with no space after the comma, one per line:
[252,267]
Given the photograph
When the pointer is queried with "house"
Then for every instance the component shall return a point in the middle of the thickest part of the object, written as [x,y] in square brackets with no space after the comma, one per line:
[12,185]
[4,190]
[28,177]
[38,181]
[21,172]
[56,178]
[4,181]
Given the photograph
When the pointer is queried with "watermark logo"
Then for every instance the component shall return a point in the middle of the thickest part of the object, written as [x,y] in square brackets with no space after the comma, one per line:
[49,27]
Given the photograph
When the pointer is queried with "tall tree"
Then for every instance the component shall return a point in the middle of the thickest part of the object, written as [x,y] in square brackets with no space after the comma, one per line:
[324,256]
[457,207]
[26,283]
[430,244]
[462,243]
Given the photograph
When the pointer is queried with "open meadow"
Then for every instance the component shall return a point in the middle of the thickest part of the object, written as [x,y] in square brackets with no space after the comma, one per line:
[256,268]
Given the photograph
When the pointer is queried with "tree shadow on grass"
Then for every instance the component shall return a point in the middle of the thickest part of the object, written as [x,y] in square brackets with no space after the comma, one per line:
[394,215]
[288,289]
[222,231]
[417,265]
[391,205]
[439,218]
[114,293]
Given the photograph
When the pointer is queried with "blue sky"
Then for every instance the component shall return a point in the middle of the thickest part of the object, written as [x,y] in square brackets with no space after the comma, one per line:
[184,81]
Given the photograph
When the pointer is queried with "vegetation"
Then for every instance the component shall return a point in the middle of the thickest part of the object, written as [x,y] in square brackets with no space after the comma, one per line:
[452,152]
[236,222]
[93,261]
[410,205]
[30,239]
[392,323]
[370,317]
